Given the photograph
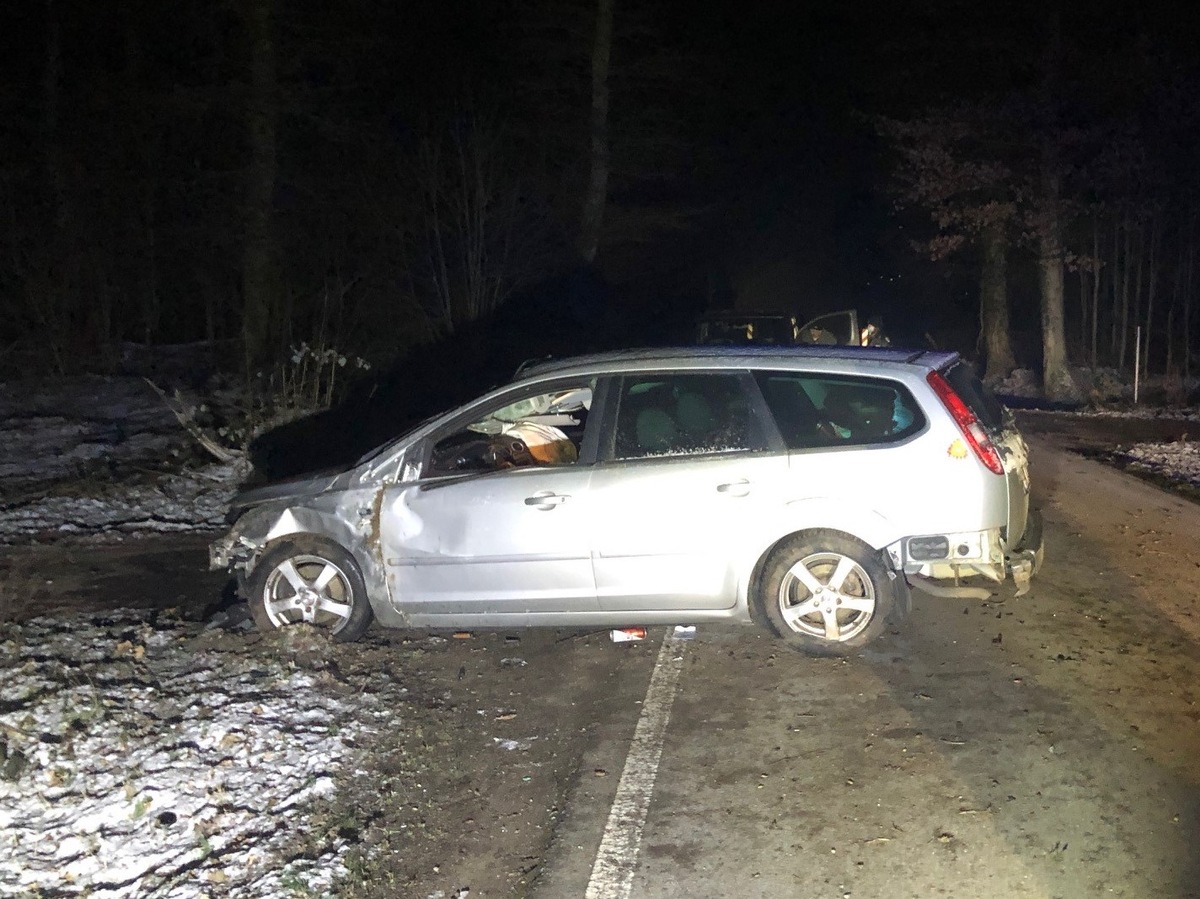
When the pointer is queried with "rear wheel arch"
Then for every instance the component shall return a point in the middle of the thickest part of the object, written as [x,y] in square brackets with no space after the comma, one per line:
[770,552]
[856,579]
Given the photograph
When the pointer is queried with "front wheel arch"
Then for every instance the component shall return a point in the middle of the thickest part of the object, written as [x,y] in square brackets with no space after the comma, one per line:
[320,565]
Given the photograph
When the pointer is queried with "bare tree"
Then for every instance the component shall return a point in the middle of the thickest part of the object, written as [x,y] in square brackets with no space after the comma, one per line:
[260,282]
[953,165]
[1048,215]
[481,243]
[597,193]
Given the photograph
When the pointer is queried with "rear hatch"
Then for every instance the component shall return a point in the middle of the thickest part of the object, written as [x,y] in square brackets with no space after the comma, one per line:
[1002,429]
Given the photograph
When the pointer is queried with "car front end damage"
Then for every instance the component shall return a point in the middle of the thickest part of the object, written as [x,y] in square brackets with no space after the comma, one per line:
[250,531]
[348,517]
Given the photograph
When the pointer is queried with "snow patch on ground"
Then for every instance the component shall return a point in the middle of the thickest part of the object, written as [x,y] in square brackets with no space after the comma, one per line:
[187,501]
[142,757]
[1143,412]
[103,455]
[1177,462]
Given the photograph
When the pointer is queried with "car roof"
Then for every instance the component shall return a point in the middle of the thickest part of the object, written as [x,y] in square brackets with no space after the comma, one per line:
[741,356]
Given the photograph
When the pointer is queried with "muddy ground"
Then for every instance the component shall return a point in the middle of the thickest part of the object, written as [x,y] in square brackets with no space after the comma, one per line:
[1042,746]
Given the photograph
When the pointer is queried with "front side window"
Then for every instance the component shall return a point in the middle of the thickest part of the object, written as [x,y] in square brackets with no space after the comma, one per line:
[817,410]
[545,427]
[684,415]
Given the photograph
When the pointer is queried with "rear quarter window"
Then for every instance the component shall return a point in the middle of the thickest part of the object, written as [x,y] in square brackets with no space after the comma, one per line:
[819,410]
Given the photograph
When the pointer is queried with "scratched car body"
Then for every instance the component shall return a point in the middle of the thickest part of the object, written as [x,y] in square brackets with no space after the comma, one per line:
[804,488]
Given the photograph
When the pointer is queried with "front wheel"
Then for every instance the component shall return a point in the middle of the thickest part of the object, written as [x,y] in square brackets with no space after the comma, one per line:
[306,579]
[826,593]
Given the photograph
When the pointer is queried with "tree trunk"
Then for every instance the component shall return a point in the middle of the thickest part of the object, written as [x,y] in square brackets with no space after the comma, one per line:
[1056,374]
[1174,304]
[1114,317]
[593,205]
[993,306]
[1095,285]
[1151,284]
[1187,300]
[1123,336]
[50,304]
[260,281]
[51,95]
[151,308]
[1084,292]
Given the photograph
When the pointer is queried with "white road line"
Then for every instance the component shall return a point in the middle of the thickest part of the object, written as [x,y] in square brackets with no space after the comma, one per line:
[616,859]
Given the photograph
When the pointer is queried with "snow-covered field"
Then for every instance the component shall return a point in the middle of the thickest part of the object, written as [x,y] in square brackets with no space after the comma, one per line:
[102,456]
[141,755]
[1176,461]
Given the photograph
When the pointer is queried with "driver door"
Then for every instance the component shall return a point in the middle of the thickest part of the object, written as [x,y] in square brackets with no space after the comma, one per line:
[480,534]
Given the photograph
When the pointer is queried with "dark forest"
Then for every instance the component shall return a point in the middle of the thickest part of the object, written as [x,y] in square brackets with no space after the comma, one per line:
[1017,182]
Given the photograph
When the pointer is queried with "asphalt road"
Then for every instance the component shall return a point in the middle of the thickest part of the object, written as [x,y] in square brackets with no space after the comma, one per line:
[1046,746]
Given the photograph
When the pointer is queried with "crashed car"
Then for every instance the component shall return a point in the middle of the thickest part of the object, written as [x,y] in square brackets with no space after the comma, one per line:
[805,488]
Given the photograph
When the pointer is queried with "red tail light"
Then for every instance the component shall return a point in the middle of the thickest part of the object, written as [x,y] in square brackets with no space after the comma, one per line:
[974,433]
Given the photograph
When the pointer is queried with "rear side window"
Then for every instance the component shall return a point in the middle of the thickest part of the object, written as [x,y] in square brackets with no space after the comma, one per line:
[981,401]
[684,415]
[817,410]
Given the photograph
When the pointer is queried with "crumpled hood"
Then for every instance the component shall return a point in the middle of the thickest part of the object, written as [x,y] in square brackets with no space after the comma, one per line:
[305,485]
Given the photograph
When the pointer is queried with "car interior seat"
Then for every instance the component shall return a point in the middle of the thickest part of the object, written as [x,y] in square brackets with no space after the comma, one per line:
[793,411]
[695,418]
[644,427]
[861,410]
[656,432]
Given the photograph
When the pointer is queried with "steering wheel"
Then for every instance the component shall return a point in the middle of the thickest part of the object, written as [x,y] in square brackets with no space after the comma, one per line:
[507,452]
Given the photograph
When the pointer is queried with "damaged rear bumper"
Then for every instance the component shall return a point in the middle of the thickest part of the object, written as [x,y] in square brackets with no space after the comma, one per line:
[1026,561]
[983,557]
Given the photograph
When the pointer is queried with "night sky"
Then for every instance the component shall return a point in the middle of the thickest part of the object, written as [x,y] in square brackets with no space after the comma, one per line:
[745,164]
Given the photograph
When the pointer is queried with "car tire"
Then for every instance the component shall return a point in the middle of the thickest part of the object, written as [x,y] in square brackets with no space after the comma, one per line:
[826,593]
[307,579]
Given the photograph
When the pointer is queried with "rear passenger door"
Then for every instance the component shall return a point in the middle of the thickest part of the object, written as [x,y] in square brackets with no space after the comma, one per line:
[687,480]
[856,459]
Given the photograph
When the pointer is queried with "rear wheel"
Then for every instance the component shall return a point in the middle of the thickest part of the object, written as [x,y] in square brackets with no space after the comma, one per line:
[826,593]
[309,580]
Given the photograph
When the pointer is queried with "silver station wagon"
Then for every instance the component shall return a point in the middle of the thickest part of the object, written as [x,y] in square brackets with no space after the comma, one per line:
[805,488]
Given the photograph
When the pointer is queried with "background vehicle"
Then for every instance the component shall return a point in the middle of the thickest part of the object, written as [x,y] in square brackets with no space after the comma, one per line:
[777,329]
[703,484]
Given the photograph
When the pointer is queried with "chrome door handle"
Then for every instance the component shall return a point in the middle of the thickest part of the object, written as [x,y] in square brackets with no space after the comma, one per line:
[546,501]
[740,487]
